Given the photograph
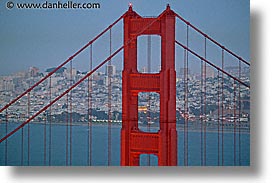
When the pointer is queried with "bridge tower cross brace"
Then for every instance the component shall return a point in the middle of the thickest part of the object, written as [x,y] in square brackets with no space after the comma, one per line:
[135,142]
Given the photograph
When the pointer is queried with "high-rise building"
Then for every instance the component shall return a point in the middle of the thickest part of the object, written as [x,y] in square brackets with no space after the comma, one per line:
[33,71]
[6,84]
[209,72]
[111,69]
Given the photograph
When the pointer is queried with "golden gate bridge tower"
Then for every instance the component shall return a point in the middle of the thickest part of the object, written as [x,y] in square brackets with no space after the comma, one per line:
[135,142]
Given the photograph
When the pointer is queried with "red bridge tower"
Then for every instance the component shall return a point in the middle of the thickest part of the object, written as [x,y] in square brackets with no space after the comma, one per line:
[134,142]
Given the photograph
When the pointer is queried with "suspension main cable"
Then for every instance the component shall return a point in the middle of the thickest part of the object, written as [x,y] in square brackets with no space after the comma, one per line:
[76,83]
[211,64]
[64,63]
[212,40]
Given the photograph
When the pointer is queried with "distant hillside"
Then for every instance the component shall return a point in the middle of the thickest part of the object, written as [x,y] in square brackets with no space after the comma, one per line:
[61,70]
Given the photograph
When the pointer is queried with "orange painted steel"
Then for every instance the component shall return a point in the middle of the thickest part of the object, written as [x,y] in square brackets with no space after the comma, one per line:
[135,142]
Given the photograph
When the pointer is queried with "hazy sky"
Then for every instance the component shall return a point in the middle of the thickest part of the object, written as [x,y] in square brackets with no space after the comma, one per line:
[45,38]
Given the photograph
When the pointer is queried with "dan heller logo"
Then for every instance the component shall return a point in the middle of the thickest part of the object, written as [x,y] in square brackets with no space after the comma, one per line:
[53,5]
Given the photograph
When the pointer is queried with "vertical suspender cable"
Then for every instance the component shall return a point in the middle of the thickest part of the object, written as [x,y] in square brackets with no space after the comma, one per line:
[222,109]
[29,115]
[234,108]
[91,106]
[218,119]
[185,112]
[22,146]
[186,100]
[187,107]
[201,113]
[6,142]
[240,105]
[185,120]
[149,97]
[90,113]
[45,138]
[67,130]
[205,119]
[88,122]
[71,111]
[50,121]
[109,104]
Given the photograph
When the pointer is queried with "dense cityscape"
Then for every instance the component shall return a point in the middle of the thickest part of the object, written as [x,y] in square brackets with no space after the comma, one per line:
[206,105]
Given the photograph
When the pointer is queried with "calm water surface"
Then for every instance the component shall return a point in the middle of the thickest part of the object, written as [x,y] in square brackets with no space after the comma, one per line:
[100,146]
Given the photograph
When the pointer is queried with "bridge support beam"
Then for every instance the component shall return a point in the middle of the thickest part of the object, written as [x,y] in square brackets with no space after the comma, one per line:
[134,142]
